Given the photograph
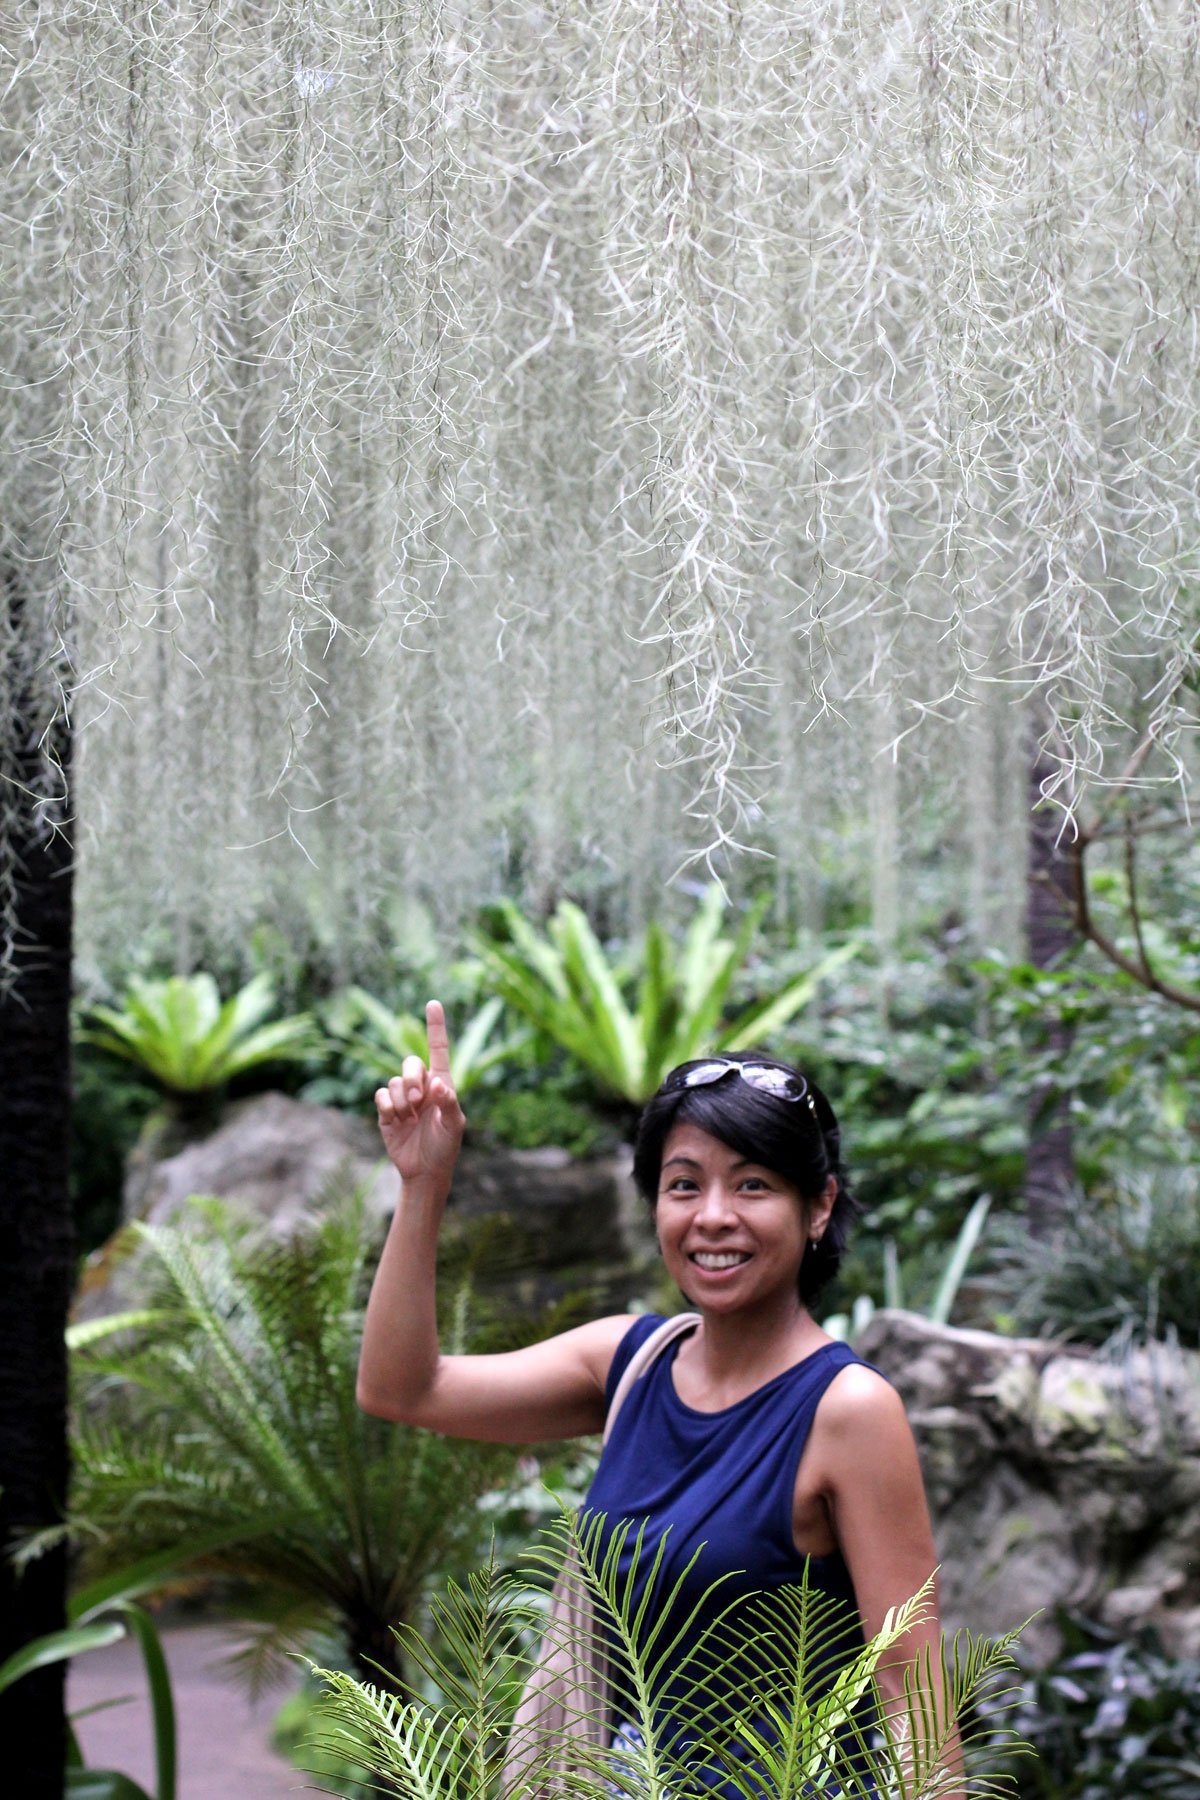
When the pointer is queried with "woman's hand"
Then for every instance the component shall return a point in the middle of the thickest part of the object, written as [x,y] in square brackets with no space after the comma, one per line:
[419,1116]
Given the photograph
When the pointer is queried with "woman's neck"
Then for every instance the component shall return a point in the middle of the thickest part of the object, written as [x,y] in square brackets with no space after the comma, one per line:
[737,1351]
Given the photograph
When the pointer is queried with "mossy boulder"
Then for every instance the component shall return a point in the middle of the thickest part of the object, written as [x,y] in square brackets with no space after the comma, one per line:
[1056,1477]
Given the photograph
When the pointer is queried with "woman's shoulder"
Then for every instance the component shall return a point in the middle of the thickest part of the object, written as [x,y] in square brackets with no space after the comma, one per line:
[859,1402]
[630,1332]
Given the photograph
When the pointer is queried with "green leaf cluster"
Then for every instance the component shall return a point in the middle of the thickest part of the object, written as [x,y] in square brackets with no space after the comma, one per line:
[797,1721]
[377,1039]
[942,1064]
[628,1023]
[102,1614]
[181,1034]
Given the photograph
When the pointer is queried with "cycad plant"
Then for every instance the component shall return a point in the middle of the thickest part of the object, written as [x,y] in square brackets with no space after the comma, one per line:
[781,1701]
[628,1024]
[223,1426]
[191,1044]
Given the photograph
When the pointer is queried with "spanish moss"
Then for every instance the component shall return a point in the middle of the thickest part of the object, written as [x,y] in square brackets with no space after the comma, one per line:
[464,444]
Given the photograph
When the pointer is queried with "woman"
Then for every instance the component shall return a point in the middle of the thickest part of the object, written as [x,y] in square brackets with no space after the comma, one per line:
[755,1432]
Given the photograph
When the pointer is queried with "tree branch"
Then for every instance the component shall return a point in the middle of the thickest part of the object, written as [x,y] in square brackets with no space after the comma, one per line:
[1139,970]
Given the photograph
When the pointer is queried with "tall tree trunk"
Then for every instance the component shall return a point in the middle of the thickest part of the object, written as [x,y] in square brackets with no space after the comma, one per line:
[36,1243]
[1051,932]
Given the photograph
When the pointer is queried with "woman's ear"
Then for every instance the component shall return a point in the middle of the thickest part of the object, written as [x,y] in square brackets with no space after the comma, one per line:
[821,1208]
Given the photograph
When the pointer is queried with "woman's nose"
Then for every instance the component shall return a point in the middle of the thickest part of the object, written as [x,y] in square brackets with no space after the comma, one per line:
[715,1204]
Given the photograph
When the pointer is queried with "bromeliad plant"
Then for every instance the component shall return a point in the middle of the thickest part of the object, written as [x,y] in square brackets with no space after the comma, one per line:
[189,1042]
[795,1721]
[378,1039]
[629,1024]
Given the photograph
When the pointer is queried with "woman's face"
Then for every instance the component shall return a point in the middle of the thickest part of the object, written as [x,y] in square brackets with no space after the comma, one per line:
[733,1232]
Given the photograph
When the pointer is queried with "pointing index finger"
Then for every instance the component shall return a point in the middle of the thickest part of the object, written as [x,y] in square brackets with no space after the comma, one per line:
[439,1043]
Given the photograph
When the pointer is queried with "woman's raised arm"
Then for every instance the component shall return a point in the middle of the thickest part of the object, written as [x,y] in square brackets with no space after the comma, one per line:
[553,1389]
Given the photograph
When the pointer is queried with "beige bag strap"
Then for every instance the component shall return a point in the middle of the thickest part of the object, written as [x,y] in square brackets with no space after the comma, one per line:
[644,1355]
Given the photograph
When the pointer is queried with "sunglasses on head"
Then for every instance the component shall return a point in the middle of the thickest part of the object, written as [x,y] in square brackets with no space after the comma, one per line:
[763,1076]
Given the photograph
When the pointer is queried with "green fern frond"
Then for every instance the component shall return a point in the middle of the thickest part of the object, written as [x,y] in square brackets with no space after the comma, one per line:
[475,1660]
[803,1639]
[588,1559]
[798,1721]
[965,1671]
[273,1628]
[423,1755]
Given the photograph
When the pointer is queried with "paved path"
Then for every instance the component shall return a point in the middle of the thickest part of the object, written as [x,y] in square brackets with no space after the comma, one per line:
[224,1748]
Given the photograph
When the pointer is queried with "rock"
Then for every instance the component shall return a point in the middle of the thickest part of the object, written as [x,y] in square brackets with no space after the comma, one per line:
[275,1157]
[1056,1477]
[561,1226]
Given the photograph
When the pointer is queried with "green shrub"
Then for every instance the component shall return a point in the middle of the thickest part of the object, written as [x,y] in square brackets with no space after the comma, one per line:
[1125,1258]
[535,1118]
[1126,1062]
[1110,1720]
[906,1059]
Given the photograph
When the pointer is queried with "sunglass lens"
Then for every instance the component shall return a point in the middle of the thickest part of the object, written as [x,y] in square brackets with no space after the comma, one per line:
[776,1081]
[700,1074]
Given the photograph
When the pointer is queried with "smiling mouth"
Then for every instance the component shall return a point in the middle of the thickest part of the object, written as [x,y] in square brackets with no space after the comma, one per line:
[719,1259]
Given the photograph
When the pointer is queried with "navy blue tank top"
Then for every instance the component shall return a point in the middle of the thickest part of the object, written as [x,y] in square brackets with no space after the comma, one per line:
[726,1481]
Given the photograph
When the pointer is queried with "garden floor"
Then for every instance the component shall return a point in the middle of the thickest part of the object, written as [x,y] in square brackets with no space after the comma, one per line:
[224,1739]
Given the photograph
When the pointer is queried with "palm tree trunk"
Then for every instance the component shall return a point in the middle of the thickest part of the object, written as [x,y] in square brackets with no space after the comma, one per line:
[36,1250]
[375,1649]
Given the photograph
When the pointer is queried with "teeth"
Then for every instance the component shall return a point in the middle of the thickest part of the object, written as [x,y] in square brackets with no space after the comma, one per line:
[711,1259]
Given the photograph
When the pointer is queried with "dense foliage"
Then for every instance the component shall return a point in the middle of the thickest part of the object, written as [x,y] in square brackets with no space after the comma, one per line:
[578,996]
[940,1063]
[1111,1719]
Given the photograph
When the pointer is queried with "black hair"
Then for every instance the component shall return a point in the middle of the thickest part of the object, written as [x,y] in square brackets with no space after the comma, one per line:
[802,1143]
